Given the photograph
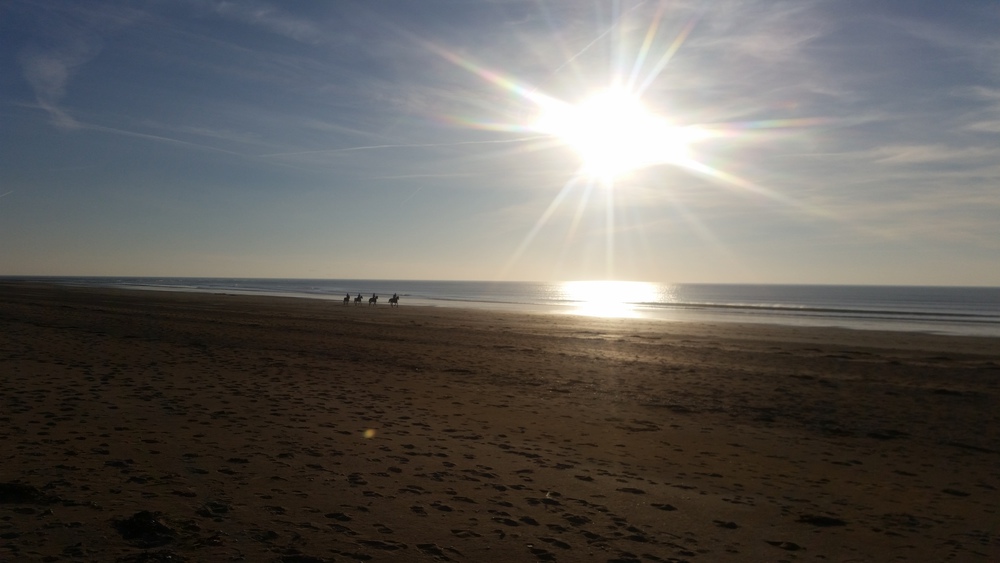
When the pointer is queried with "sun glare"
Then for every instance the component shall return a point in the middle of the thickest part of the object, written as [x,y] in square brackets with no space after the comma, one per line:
[614,134]
[621,127]
[608,298]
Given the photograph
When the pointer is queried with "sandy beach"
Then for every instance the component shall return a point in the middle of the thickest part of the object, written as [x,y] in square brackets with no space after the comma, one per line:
[155,426]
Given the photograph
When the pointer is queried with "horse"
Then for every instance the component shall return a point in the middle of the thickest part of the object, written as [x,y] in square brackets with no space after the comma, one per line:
[357,300]
[373,300]
[394,301]
[347,300]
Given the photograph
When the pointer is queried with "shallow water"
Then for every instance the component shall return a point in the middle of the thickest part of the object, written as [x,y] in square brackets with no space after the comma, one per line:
[943,310]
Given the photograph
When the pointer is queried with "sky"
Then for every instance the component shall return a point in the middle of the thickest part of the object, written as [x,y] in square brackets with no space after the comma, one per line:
[742,141]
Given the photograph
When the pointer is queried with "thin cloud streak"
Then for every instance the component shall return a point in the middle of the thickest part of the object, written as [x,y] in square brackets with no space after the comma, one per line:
[408,146]
[599,37]
[270,18]
[158,138]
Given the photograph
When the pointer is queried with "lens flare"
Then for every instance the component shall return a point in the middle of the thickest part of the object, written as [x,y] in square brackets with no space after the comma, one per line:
[614,134]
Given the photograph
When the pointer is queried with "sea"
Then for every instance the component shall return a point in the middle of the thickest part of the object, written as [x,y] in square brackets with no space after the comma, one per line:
[969,311]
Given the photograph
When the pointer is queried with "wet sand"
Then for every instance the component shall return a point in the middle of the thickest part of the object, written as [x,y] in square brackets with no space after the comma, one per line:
[154,426]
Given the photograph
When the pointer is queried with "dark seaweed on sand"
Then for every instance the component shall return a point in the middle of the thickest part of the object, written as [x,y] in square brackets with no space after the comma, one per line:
[19,493]
[145,529]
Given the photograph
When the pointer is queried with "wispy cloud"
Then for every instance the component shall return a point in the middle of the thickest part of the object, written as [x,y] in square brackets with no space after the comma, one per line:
[70,37]
[408,146]
[985,126]
[223,135]
[937,153]
[270,18]
[48,72]
[157,138]
[985,117]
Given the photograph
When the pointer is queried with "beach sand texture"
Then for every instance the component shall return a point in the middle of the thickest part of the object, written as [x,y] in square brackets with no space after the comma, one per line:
[154,426]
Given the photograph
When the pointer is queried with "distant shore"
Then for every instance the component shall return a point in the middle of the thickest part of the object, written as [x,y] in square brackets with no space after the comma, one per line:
[198,426]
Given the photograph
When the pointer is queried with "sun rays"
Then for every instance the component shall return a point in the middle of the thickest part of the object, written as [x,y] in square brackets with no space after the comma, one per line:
[619,129]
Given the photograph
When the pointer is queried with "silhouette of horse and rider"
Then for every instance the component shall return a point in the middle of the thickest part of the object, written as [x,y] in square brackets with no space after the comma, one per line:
[372,301]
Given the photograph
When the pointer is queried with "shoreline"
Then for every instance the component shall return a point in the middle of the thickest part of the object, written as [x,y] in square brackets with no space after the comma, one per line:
[950,324]
[271,428]
[790,331]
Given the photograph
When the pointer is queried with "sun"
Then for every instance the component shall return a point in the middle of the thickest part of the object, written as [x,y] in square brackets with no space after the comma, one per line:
[614,134]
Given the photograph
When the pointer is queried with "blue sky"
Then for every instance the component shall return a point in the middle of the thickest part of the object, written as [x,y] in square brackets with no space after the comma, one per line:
[838,141]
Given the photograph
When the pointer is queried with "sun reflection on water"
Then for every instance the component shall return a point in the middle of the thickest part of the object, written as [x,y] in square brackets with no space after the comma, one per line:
[604,298]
